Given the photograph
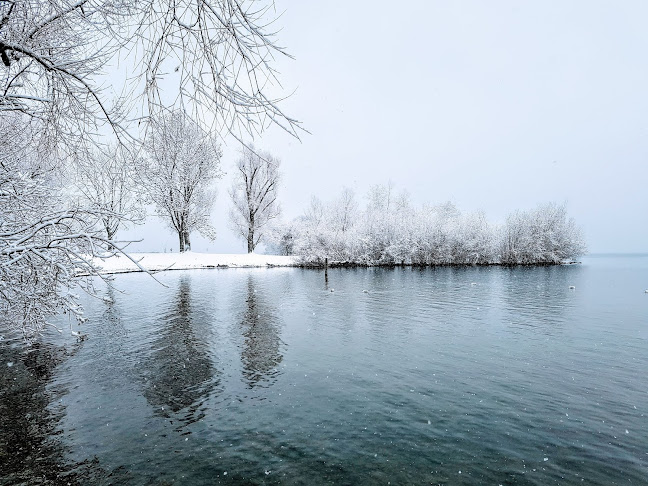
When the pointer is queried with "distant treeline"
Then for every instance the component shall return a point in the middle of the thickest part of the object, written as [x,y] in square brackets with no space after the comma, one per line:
[390,231]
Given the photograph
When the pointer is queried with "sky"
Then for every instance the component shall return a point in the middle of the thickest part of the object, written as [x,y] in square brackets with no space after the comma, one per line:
[494,106]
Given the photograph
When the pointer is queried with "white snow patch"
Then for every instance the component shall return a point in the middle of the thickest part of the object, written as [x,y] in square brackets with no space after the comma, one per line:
[189,260]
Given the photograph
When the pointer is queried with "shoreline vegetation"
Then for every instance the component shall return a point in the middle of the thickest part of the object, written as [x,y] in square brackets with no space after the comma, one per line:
[430,265]
[392,232]
[388,234]
[160,262]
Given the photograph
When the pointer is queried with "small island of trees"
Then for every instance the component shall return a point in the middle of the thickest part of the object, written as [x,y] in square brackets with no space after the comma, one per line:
[391,231]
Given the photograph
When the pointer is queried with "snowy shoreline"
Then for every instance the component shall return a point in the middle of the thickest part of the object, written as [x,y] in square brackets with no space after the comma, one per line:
[157,262]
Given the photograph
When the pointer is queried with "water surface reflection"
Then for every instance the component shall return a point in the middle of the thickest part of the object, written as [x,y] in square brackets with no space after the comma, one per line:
[31,415]
[261,349]
[179,374]
[400,375]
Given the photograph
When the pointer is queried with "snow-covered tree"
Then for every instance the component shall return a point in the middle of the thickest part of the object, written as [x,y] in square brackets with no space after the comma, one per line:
[282,236]
[379,196]
[344,211]
[542,235]
[46,243]
[105,180]
[182,164]
[254,195]
[314,213]
[384,234]
[212,57]
[474,240]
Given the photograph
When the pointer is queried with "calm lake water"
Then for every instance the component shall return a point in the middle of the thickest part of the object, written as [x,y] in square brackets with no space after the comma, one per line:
[374,376]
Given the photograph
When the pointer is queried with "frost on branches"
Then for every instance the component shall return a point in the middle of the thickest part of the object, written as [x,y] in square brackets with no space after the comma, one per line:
[390,231]
[46,243]
[105,180]
[215,57]
[181,165]
[542,235]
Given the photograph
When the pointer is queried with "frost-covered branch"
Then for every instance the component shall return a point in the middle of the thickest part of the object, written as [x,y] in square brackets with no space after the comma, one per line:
[48,243]
[213,58]
[106,180]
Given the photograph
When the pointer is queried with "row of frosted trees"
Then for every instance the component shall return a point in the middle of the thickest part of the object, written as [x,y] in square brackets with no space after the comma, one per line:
[391,231]
[176,173]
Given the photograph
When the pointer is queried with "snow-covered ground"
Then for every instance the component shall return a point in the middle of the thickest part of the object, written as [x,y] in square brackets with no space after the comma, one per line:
[187,260]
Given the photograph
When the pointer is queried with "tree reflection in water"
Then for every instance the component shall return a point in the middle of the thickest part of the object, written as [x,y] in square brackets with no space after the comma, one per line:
[30,416]
[180,373]
[261,353]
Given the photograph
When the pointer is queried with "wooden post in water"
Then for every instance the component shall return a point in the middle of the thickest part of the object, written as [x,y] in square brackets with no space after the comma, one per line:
[326,272]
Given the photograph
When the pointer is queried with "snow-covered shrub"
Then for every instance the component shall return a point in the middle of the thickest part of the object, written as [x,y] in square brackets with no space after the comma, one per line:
[390,232]
[542,235]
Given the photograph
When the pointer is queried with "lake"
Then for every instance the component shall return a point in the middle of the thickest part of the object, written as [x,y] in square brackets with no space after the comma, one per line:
[480,375]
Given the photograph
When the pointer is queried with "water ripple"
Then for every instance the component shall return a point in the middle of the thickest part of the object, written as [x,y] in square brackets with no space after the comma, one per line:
[357,376]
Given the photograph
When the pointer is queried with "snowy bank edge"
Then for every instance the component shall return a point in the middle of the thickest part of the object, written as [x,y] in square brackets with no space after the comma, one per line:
[160,262]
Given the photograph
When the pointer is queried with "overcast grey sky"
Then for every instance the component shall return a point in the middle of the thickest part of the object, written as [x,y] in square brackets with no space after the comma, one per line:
[496,105]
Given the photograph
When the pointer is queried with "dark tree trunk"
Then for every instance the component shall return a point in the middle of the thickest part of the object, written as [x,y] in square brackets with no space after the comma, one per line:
[109,236]
[182,241]
[250,238]
[250,241]
[110,233]
[187,241]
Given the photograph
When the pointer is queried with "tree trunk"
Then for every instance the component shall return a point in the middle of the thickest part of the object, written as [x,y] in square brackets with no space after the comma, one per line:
[251,233]
[250,241]
[109,236]
[110,233]
[187,241]
[182,241]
